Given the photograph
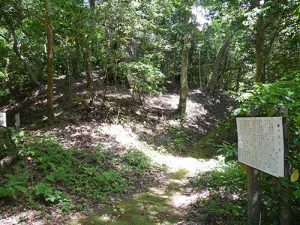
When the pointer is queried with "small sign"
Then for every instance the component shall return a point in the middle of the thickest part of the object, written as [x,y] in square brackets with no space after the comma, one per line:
[3,119]
[261,144]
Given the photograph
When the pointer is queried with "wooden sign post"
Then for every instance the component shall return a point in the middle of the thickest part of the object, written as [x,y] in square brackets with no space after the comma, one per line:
[3,119]
[261,146]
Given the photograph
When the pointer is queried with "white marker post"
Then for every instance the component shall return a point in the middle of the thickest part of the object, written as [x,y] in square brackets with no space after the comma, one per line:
[17,121]
[3,119]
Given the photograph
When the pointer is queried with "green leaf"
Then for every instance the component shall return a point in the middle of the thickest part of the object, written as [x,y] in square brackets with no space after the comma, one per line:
[295,176]
[297,193]
[237,111]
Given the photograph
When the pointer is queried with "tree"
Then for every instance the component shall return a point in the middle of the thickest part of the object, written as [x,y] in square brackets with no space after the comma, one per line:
[185,59]
[88,51]
[184,70]
[219,65]
[50,69]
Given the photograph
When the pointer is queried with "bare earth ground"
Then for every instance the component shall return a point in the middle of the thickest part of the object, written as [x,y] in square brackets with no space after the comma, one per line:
[119,125]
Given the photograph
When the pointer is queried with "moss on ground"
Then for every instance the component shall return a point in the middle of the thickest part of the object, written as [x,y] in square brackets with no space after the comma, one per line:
[150,208]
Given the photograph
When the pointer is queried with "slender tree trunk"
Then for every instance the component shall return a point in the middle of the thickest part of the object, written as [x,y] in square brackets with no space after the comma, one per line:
[184,71]
[260,73]
[218,65]
[21,58]
[88,58]
[88,66]
[259,47]
[50,69]
[200,74]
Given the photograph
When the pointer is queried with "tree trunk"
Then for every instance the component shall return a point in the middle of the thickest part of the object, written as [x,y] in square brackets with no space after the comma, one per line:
[21,58]
[88,55]
[219,65]
[184,89]
[88,66]
[50,69]
[259,47]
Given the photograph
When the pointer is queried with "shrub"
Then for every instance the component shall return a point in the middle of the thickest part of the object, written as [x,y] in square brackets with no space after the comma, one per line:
[143,78]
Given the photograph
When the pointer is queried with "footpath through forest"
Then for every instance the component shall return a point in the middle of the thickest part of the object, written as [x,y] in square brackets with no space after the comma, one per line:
[122,125]
[166,203]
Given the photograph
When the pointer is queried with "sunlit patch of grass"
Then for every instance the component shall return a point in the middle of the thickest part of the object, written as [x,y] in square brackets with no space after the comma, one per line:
[179,174]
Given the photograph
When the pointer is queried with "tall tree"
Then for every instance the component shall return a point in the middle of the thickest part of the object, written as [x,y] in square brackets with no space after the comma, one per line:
[88,51]
[184,89]
[219,65]
[259,42]
[50,68]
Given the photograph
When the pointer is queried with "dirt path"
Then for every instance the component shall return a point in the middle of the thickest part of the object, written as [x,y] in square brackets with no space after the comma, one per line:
[164,204]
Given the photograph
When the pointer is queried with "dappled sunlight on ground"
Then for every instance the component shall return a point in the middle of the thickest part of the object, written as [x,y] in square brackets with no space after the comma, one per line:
[120,125]
[165,204]
[128,139]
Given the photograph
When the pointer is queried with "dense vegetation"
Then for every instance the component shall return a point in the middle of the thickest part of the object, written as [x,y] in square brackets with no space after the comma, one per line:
[61,61]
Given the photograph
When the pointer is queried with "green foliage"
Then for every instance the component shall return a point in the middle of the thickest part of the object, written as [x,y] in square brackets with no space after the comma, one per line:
[4,94]
[111,181]
[68,178]
[229,150]
[181,137]
[60,172]
[143,78]
[47,193]
[137,160]
[15,185]
[226,201]
[207,146]
[268,100]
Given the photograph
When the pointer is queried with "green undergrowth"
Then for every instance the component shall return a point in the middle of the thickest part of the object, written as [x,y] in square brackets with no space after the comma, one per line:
[47,173]
[208,146]
[226,199]
[180,137]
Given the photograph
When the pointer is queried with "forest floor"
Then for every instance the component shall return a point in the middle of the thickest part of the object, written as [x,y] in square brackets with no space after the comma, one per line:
[165,203]
[120,125]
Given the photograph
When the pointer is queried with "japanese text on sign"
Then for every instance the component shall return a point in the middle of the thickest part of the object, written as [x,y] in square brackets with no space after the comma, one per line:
[261,144]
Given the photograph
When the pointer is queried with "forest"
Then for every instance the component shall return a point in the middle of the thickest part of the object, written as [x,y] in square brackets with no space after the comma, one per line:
[128,112]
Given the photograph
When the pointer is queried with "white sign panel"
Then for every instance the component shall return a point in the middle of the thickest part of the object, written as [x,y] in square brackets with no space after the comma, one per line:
[3,119]
[261,144]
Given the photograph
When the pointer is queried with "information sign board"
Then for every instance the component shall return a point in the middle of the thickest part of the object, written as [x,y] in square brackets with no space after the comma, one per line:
[261,144]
